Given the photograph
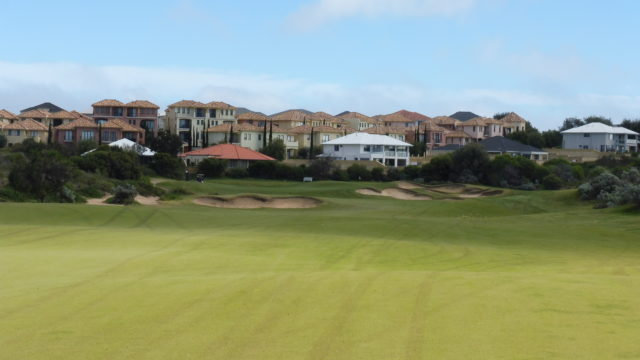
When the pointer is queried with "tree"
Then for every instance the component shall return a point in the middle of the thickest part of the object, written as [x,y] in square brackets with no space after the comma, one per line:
[276,149]
[42,174]
[470,163]
[633,125]
[212,168]
[3,141]
[270,132]
[166,142]
[501,115]
[49,135]
[321,168]
[264,135]
[438,169]
[311,145]
[358,172]
[600,119]
[552,138]
[570,123]
[167,165]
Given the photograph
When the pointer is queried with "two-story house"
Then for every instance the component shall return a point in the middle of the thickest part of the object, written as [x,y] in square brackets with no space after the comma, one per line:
[600,137]
[138,113]
[358,121]
[190,119]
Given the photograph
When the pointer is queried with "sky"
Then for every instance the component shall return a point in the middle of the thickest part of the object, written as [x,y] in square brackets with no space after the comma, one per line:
[546,60]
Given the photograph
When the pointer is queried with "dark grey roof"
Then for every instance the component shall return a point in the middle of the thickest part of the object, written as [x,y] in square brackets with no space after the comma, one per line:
[464,115]
[449,147]
[502,145]
[44,106]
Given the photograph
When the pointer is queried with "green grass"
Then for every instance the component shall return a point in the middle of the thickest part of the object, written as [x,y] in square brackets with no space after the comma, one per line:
[525,275]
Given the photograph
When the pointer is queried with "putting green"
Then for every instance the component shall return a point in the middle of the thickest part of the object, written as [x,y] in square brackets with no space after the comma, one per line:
[524,275]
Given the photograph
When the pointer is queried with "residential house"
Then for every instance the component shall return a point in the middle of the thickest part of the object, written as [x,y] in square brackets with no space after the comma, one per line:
[428,132]
[396,132]
[303,136]
[18,131]
[105,133]
[457,137]
[190,119]
[236,156]
[499,145]
[138,113]
[363,146]
[448,123]
[396,120]
[323,119]
[513,122]
[245,135]
[600,137]
[293,118]
[7,117]
[475,128]
[492,127]
[47,118]
[358,121]
[253,118]
[417,117]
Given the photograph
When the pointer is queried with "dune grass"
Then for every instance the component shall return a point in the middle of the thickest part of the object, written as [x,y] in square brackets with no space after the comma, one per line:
[524,275]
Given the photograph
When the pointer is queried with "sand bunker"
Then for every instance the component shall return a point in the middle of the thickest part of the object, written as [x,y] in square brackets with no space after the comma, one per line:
[463,191]
[256,202]
[407,185]
[401,194]
[143,200]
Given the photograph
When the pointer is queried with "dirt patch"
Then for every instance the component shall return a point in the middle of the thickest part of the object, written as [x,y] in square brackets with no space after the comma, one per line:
[257,202]
[408,185]
[99,201]
[396,193]
[148,200]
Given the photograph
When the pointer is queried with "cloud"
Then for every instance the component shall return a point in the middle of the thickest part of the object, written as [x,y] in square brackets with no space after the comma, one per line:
[324,11]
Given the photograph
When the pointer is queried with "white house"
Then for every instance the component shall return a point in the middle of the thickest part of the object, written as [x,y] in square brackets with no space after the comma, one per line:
[600,137]
[373,147]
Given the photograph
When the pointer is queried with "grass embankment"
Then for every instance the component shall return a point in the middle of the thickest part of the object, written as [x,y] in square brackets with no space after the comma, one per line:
[519,276]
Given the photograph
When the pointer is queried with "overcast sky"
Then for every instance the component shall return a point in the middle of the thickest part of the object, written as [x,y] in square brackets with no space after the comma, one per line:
[543,59]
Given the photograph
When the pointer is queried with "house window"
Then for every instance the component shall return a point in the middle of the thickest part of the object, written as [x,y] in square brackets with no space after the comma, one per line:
[247,136]
[367,148]
[587,135]
[336,147]
[377,148]
[289,138]
[68,136]
[212,113]
[117,111]
[259,137]
[325,138]
[14,132]
[87,135]
[131,112]
[34,133]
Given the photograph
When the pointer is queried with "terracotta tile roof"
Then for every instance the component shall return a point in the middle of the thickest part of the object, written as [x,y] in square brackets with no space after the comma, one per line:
[29,124]
[6,114]
[394,118]
[294,115]
[144,104]
[219,105]
[34,114]
[78,115]
[413,115]
[513,118]
[328,117]
[108,102]
[61,115]
[356,115]
[492,121]
[306,129]
[431,126]
[252,116]
[225,128]
[476,121]
[446,120]
[229,152]
[122,124]
[78,123]
[457,134]
[188,103]
[384,130]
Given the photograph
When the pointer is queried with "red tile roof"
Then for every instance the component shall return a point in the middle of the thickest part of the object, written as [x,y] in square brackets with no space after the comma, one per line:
[6,114]
[413,115]
[144,104]
[108,102]
[188,103]
[229,152]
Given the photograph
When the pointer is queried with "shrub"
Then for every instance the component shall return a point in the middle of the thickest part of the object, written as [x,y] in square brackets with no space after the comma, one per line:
[212,168]
[286,172]
[377,174]
[603,183]
[167,165]
[358,172]
[340,175]
[552,182]
[43,175]
[321,168]
[124,194]
[411,171]
[262,169]
[3,141]
[85,145]
[438,169]
[394,174]
[237,173]
[111,162]
[469,163]
[276,149]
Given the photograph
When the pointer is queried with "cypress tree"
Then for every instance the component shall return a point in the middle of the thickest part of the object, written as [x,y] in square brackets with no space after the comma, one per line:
[311,145]
[231,135]
[264,135]
[49,135]
[99,134]
[270,132]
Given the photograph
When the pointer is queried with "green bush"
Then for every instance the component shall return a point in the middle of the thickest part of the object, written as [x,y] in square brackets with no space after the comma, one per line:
[358,172]
[237,173]
[111,162]
[552,182]
[377,174]
[276,149]
[321,169]
[212,168]
[167,165]
[438,169]
[262,169]
[3,141]
[286,172]
[412,172]
[340,175]
[42,175]
[124,194]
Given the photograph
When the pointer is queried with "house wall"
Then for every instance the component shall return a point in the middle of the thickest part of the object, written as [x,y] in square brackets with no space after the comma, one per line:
[476,132]
[41,136]
[356,152]
[593,141]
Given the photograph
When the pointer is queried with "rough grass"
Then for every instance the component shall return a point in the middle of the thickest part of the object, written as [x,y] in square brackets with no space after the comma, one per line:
[524,275]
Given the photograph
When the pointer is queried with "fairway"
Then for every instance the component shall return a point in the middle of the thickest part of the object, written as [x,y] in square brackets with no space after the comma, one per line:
[522,275]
